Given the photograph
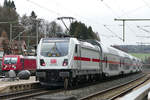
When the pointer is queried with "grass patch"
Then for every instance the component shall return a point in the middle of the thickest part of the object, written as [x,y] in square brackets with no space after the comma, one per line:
[141,55]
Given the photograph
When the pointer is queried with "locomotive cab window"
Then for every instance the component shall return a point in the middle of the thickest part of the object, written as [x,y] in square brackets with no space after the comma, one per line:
[10,60]
[54,49]
[13,60]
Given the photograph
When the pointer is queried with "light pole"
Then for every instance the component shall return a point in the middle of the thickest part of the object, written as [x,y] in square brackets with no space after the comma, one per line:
[10,32]
[37,36]
[37,29]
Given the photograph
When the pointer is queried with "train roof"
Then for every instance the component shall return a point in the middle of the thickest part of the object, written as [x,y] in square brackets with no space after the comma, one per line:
[91,43]
[21,56]
[12,55]
[114,51]
[46,40]
[109,50]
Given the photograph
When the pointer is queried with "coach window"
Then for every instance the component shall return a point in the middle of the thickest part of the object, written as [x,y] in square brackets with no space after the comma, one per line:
[113,66]
[127,63]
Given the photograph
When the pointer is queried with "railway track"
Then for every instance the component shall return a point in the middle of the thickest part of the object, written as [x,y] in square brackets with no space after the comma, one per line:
[85,93]
[92,91]
[26,94]
[116,91]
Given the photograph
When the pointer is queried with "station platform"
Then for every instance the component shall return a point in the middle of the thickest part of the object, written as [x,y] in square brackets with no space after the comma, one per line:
[7,85]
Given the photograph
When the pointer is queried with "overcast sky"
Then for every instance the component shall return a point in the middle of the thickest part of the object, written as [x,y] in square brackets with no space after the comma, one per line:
[99,14]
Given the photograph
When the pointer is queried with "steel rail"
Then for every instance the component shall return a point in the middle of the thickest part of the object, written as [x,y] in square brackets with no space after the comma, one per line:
[109,89]
[9,95]
[128,90]
[35,94]
[26,94]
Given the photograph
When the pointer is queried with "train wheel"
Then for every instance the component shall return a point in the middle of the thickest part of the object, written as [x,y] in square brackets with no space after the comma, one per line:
[74,83]
[71,82]
[66,83]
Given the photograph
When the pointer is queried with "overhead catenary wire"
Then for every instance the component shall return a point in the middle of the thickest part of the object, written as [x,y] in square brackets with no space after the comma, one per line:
[60,14]
[126,16]
[112,32]
[145,30]
[127,24]
[146,26]
[106,5]
[116,15]
[42,7]
[134,11]
[84,18]
[143,36]
[108,36]
[146,3]
[57,13]
[109,7]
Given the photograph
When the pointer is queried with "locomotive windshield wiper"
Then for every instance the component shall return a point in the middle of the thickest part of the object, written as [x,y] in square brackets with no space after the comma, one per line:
[54,52]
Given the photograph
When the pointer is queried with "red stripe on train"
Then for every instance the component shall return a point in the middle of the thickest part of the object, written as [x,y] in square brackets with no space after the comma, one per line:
[77,58]
[96,60]
[82,58]
[113,62]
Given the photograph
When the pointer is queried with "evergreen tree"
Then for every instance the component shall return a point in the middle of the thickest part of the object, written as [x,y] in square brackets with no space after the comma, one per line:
[8,15]
[9,4]
[5,3]
[33,15]
[80,30]
[73,27]
[13,5]
[33,23]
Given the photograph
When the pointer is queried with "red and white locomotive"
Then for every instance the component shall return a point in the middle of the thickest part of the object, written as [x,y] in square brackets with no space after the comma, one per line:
[68,60]
[19,63]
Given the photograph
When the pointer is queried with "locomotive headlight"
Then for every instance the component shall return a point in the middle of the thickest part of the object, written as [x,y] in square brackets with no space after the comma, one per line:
[65,62]
[5,66]
[14,66]
[42,63]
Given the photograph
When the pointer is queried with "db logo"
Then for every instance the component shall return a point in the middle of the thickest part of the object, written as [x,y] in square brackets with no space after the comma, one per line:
[53,61]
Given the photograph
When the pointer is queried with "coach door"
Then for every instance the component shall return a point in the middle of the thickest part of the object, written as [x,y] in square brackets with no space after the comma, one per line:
[78,52]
